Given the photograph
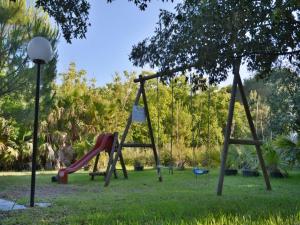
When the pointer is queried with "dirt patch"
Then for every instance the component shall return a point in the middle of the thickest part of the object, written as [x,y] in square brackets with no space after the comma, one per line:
[42,192]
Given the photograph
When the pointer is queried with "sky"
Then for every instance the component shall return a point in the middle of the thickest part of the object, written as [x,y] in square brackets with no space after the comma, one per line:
[114,29]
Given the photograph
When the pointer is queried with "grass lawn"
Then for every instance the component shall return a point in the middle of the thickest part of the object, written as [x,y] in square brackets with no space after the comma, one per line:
[141,199]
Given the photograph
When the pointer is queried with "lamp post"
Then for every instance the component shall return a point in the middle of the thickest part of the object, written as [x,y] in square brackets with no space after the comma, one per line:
[39,51]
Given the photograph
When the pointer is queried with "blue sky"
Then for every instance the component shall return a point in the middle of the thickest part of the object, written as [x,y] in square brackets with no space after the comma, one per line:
[114,29]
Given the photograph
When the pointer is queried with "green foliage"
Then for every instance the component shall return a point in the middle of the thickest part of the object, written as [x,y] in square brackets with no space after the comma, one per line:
[8,145]
[290,148]
[249,158]
[234,157]
[18,24]
[275,158]
[80,111]
[284,101]
[212,37]
[274,103]
[82,147]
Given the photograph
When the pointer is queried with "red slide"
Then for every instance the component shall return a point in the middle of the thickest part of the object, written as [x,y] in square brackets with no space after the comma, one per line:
[104,142]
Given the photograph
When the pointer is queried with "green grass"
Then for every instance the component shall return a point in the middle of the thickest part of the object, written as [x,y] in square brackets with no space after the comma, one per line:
[141,199]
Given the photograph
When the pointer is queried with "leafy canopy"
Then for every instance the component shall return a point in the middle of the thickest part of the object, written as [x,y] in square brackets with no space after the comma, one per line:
[18,24]
[211,36]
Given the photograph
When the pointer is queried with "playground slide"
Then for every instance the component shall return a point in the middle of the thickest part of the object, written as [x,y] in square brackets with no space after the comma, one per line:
[103,142]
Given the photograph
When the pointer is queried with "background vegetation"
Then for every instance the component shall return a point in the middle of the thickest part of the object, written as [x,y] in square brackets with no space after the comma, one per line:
[79,111]
[74,110]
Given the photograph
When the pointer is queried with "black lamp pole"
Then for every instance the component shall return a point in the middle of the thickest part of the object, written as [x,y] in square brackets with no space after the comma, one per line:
[35,131]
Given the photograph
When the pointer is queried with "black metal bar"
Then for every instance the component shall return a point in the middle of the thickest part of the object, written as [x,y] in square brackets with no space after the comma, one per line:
[35,134]
[227,131]
[137,145]
[253,131]
[244,142]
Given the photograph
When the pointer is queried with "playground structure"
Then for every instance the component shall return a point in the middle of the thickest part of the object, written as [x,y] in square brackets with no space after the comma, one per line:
[140,114]
[104,143]
[144,115]
[237,82]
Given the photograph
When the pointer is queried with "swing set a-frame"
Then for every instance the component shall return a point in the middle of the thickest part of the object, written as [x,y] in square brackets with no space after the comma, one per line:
[112,164]
[237,83]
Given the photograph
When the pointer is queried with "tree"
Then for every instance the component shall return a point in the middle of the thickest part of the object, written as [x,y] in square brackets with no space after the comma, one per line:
[261,113]
[290,148]
[214,37]
[274,102]
[18,24]
[284,101]
[73,15]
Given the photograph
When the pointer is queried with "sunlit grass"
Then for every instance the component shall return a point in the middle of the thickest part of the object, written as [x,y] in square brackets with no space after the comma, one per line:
[179,199]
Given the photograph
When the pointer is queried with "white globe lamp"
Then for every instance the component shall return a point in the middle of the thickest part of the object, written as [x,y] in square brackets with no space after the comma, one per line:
[39,50]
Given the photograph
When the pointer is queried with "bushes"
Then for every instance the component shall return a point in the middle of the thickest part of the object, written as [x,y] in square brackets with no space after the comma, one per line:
[14,150]
[274,159]
[181,156]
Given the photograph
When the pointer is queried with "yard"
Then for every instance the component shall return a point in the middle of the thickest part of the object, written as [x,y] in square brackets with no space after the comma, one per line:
[179,199]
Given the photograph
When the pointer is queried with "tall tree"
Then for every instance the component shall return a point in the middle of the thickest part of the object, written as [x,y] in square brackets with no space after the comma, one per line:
[275,102]
[18,24]
[213,36]
[284,101]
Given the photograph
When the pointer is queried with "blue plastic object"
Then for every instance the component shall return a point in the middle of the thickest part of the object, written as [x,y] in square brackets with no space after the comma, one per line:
[198,171]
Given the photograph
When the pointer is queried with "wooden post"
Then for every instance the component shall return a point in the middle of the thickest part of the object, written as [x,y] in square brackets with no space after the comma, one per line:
[122,144]
[111,153]
[110,158]
[95,166]
[150,130]
[228,131]
[254,134]
[119,149]
[123,165]
[238,82]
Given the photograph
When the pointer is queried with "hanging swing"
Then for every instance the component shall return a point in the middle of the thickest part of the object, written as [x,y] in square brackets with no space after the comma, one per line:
[172,123]
[196,170]
[170,166]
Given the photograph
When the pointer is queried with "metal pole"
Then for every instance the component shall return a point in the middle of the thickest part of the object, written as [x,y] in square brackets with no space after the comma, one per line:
[35,134]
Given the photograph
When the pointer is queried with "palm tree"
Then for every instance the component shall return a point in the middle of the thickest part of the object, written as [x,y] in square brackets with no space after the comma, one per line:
[290,146]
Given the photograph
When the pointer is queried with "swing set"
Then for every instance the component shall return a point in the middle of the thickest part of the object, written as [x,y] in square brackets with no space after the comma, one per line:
[143,114]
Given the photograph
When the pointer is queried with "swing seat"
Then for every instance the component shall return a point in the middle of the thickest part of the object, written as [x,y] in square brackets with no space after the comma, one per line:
[198,171]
